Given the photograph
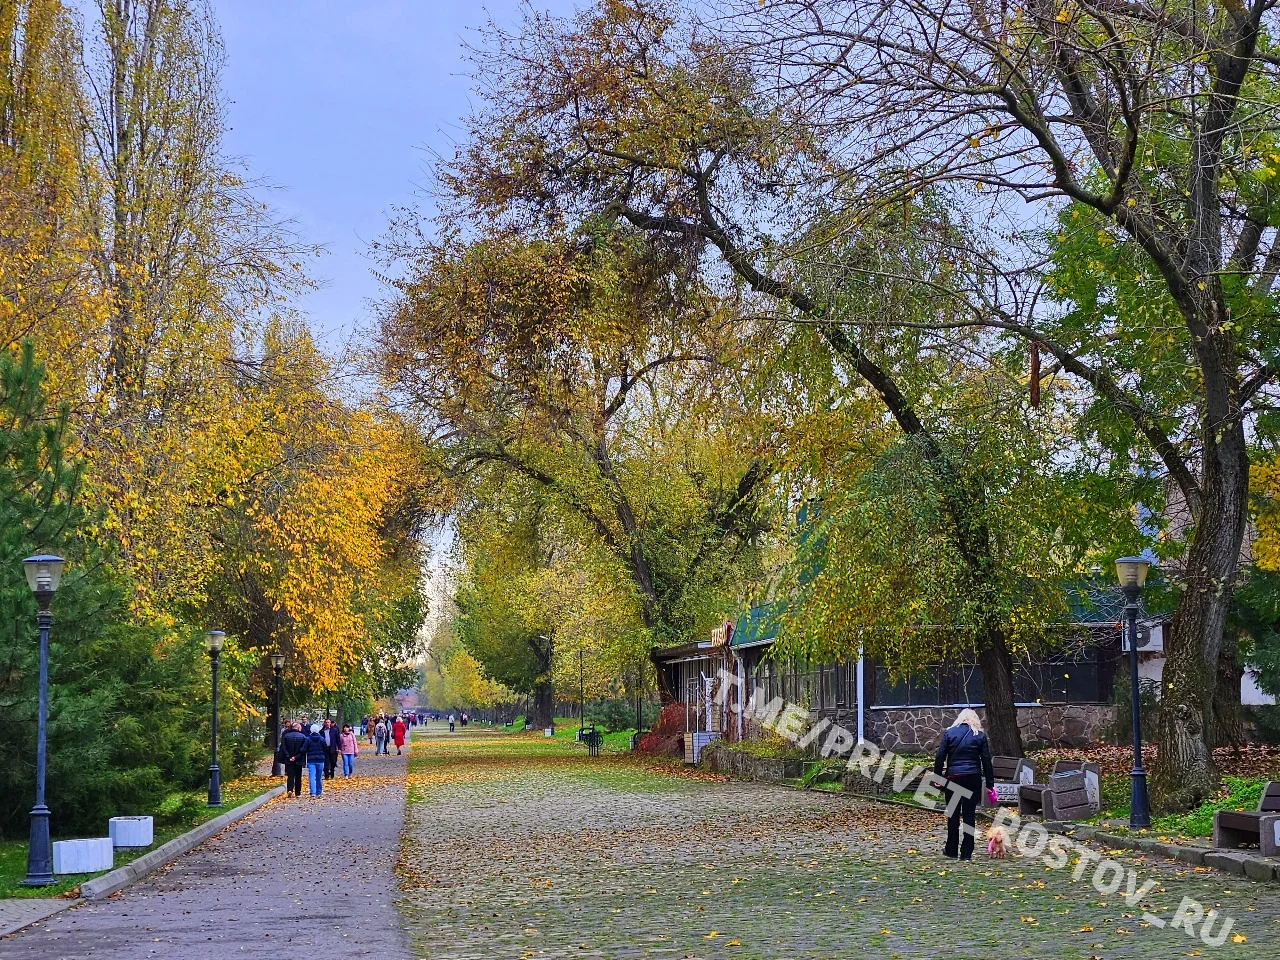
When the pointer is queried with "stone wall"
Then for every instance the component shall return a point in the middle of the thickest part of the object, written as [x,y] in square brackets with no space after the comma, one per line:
[735,763]
[920,728]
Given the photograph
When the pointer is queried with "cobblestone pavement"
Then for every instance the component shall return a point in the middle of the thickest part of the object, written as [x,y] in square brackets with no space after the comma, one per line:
[519,849]
[305,879]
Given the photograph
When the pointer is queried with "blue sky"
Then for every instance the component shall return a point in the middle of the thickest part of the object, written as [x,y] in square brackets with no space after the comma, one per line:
[339,103]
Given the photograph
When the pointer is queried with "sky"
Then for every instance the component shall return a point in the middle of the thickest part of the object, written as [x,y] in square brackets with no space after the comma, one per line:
[340,104]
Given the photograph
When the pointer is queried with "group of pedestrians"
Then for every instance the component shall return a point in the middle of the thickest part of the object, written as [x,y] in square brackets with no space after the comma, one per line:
[318,747]
[382,731]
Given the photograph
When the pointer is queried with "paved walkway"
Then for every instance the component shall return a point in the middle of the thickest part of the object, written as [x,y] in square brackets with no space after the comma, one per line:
[298,880]
[19,912]
[516,847]
[554,856]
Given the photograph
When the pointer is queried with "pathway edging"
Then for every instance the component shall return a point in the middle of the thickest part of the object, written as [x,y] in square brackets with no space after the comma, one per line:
[109,883]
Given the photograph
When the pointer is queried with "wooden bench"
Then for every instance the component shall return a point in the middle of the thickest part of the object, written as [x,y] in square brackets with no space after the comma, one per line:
[1236,828]
[1074,791]
[1011,774]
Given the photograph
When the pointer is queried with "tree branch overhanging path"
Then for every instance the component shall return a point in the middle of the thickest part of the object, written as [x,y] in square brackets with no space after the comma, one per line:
[1147,115]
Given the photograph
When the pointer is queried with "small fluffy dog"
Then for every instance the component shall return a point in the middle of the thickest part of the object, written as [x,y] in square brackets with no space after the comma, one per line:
[997,843]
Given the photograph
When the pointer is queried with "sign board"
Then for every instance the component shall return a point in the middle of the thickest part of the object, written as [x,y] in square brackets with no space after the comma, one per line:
[721,635]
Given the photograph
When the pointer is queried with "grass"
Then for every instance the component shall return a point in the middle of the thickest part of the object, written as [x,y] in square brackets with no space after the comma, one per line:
[1237,793]
[178,813]
[615,741]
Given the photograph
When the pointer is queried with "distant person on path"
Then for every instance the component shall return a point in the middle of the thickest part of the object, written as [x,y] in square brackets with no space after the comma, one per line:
[464,718]
[317,755]
[966,756]
[350,750]
[380,736]
[332,741]
[293,754]
[398,731]
[451,723]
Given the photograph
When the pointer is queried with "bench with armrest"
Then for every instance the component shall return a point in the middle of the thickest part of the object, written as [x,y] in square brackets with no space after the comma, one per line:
[1074,791]
[1011,773]
[1237,828]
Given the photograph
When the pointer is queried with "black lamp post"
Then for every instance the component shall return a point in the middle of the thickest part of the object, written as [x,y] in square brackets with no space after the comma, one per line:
[277,667]
[213,641]
[1132,573]
[582,697]
[44,573]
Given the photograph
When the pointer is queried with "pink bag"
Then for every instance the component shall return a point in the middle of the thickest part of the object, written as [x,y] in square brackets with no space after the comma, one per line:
[991,796]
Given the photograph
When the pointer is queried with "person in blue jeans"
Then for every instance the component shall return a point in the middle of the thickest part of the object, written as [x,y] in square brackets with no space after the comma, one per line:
[350,750]
[317,753]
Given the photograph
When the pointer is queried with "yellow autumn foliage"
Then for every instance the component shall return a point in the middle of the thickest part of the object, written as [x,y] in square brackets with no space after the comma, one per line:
[1264,489]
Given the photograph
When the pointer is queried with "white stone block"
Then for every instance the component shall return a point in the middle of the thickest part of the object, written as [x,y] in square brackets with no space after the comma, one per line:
[83,856]
[131,831]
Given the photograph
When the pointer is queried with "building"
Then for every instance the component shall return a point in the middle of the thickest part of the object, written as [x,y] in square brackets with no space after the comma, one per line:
[1066,697]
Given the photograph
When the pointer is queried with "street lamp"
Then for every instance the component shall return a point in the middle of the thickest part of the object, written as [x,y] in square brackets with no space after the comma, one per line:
[277,667]
[1132,573]
[44,573]
[213,641]
[582,697]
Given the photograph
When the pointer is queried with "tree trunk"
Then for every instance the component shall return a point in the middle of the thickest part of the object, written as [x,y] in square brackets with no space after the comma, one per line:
[542,706]
[997,683]
[1185,774]
[665,693]
[1228,723]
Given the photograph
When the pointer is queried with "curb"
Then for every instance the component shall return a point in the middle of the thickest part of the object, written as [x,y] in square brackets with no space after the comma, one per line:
[1240,863]
[109,883]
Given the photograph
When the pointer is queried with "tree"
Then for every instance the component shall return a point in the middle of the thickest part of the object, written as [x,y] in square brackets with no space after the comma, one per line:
[123,697]
[582,371]
[877,561]
[179,240]
[629,111]
[1158,121]
[510,638]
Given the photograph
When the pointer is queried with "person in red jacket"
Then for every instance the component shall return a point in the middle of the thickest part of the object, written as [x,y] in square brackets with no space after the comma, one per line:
[398,730]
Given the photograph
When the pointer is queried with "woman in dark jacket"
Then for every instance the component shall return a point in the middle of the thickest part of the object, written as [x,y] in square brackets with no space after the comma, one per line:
[966,755]
[317,754]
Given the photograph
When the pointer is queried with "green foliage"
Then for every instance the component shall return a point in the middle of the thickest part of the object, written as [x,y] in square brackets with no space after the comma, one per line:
[1257,614]
[128,704]
[886,558]
[617,713]
[1237,793]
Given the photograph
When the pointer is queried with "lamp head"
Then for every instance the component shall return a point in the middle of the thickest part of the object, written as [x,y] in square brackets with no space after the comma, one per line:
[44,573]
[213,641]
[1132,572]
[277,661]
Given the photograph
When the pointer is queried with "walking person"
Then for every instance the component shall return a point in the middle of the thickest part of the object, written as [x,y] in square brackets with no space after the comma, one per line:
[451,723]
[380,736]
[350,750]
[293,754]
[965,754]
[317,754]
[398,731]
[332,741]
